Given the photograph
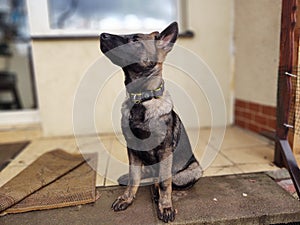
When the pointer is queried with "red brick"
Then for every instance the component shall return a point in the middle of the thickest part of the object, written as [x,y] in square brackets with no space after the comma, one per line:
[269,117]
[254,106]
[237,112]
[263,121]
[242,124]
[255,117]
[247,115]
[269,110]
[267,129]
[272,123]
[254,128]
[260,108]
[240,103]
[238,118]
[241,121]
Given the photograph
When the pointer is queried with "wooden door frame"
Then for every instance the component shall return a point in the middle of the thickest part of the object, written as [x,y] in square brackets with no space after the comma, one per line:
[284,155]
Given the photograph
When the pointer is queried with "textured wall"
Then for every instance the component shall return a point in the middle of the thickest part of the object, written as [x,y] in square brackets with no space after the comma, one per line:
[256,37]
[60,65]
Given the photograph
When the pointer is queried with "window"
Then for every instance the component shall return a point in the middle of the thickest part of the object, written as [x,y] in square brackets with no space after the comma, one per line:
[90,17]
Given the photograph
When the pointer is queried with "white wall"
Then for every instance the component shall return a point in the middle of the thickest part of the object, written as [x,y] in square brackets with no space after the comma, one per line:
[61,64]
[257,37]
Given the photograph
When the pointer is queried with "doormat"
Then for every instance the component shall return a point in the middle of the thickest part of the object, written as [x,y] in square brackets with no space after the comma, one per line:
[9,151]
[56,179]
[283,179]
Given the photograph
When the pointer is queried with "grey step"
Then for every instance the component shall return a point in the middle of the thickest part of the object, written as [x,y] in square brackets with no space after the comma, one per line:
[234,199]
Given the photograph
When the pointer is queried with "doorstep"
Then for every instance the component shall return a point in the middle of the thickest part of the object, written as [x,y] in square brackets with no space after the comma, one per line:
[233,199]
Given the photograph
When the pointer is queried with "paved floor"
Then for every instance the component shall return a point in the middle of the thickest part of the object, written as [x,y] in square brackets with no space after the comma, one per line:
[228,200]
[241,152]
[238,198]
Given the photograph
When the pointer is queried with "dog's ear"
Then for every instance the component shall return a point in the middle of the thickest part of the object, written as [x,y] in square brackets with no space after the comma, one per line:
[167,38]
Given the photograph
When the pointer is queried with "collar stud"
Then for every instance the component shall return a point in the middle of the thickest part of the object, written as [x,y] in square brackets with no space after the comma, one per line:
[138,98]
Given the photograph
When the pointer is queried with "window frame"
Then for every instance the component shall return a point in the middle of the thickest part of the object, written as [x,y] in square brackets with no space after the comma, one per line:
[40,25]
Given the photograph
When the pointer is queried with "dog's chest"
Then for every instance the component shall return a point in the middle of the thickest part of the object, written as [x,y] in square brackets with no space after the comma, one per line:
[143,119]
[137,122]
[144,124]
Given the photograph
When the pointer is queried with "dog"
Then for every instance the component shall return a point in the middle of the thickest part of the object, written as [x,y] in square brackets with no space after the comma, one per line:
[155,136]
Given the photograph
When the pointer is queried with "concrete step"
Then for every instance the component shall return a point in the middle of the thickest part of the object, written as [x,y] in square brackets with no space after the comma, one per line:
[234,199]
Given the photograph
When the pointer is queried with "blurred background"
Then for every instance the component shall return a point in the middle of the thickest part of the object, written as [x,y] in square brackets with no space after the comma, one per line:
[48,46]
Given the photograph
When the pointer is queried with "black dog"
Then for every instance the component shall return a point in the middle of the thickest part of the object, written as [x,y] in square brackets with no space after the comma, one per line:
[156,138]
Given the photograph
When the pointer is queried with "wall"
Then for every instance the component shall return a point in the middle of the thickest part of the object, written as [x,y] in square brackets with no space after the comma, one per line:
[255,117]
[257,38]
[60,64]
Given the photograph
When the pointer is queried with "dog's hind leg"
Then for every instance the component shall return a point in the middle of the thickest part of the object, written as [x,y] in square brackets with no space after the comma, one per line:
[186,168]
[188,177]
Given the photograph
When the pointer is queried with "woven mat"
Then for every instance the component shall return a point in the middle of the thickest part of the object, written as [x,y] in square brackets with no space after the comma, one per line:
[56,179]
[9,151]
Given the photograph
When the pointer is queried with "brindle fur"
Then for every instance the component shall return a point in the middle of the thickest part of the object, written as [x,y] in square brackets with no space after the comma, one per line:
[172,159]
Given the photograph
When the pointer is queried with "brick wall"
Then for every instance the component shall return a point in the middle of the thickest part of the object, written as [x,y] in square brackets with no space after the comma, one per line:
[255,117]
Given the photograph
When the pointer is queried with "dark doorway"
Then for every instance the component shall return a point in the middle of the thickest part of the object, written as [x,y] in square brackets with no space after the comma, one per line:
[17,88]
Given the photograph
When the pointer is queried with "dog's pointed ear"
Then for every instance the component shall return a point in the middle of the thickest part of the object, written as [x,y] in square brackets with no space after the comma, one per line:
[167,38]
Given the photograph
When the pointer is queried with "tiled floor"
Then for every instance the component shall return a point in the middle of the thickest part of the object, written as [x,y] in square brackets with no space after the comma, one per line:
[241,152]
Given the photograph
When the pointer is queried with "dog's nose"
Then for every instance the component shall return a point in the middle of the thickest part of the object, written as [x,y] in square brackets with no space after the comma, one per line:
[105,36]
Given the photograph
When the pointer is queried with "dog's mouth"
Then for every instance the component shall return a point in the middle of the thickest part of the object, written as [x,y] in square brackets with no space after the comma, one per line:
[109,44]
[128,51]
[104,43]
[119,50]
[110,41]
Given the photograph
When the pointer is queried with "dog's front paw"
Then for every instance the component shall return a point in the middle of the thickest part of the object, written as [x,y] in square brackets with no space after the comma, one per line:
[121,204]
[167,214]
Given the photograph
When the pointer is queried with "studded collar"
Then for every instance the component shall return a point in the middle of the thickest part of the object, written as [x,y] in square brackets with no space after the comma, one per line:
[140,97]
